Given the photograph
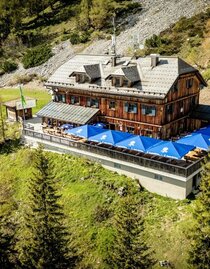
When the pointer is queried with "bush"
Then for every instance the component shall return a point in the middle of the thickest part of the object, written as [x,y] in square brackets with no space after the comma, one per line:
[74,38]
[22,79]
[9,66]
[206,74]
[82,37]
[36,56]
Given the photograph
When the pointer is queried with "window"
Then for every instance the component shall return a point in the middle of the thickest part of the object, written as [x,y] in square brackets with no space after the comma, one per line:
[175,87]
[158,177]
[148,132]
[117,82]
[130,129]
[169,108]
[148,110]
[189,83]
[75,100]
[91,102]
[112,105]
[193,101]
[81,78]
[131,107]
[125,83]
[117,165]
[181,105]
[60,98]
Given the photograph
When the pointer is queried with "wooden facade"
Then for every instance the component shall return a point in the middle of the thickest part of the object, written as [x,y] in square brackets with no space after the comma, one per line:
[160,118]
[15,110]
[125,100]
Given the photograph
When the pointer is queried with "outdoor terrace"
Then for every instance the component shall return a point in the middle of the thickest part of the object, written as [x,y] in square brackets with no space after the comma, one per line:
[183,168]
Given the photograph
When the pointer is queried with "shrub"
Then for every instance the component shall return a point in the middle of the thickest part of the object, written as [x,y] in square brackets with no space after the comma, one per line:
[74,38]
[22,79]
[101,213]
[8,66]
[36,56]
[206,74]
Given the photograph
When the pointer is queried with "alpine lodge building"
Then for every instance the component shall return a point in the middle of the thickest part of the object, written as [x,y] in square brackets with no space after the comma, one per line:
[151,96]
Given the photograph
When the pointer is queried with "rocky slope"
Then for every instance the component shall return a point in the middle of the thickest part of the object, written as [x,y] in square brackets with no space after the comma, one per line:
[156,16]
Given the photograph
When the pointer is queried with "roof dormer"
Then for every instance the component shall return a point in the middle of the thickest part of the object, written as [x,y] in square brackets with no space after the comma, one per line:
[125,76]
[87,73]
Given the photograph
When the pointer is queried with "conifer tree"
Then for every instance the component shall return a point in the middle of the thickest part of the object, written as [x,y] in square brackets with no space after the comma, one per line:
[46,240]
[129,250]
[84,16]
[199,254]
[7,242]
[100,12]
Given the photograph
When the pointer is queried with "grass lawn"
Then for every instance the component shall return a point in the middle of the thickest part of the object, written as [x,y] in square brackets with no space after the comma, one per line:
[87,190]
[42,96]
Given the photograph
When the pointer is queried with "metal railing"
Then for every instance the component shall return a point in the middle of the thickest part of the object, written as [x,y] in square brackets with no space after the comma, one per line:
[180,167]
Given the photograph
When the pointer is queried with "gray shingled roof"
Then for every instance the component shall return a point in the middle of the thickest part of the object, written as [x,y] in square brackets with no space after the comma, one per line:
[131,73]
[68,113]
[93,70]
[151,81]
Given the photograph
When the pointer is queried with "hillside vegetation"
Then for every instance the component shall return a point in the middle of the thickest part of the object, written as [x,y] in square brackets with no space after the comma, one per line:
[26,27]
[91,197]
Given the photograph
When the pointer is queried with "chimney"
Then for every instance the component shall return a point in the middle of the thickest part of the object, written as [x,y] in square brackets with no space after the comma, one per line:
[114,60]
[154,59]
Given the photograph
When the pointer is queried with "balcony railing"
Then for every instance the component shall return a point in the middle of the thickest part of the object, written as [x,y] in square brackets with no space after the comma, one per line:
[176,167]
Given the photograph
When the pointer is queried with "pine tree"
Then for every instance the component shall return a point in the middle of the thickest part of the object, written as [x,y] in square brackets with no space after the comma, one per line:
[129,250]
[199,254]
[46,240]
[84,15]
[7,242]
[100,12]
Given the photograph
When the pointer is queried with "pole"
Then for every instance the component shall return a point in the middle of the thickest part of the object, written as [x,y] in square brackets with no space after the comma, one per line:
[2,121]
[22,102]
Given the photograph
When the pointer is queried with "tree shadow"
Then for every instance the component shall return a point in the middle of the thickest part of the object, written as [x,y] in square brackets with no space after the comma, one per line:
[10,146]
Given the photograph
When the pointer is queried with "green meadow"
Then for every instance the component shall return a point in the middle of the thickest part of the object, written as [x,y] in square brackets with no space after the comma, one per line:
[42,96]
[90,195]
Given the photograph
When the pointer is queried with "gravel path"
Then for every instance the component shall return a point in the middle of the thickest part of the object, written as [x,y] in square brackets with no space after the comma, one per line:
[156,16]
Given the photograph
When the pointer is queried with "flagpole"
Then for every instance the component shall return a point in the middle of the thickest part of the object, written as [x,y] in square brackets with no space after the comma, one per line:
[2,121]
[22,102]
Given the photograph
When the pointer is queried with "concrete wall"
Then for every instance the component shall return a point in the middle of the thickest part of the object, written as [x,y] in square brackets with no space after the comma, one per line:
[163,183]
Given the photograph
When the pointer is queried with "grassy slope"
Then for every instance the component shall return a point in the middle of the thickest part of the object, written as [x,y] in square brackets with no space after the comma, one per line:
[86,188]
[42,97]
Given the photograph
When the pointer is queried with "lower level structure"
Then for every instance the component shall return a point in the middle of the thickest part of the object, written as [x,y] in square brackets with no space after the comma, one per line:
[164,176]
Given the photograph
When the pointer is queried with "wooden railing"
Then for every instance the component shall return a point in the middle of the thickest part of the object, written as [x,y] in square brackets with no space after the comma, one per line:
[180,167]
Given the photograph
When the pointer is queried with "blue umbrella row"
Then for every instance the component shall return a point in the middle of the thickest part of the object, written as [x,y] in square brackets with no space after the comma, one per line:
[133,142]
[200,138]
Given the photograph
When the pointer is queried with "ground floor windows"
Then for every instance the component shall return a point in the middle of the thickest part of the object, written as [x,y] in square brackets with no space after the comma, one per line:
[75,100]
[93,102]
[60,98]
[130,129]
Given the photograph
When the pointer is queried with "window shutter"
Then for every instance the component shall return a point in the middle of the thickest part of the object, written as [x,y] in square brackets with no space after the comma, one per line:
[63,98]
[88,101]
[153,111]
[135,108]
[143,110]
[97,103]
[126,107]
